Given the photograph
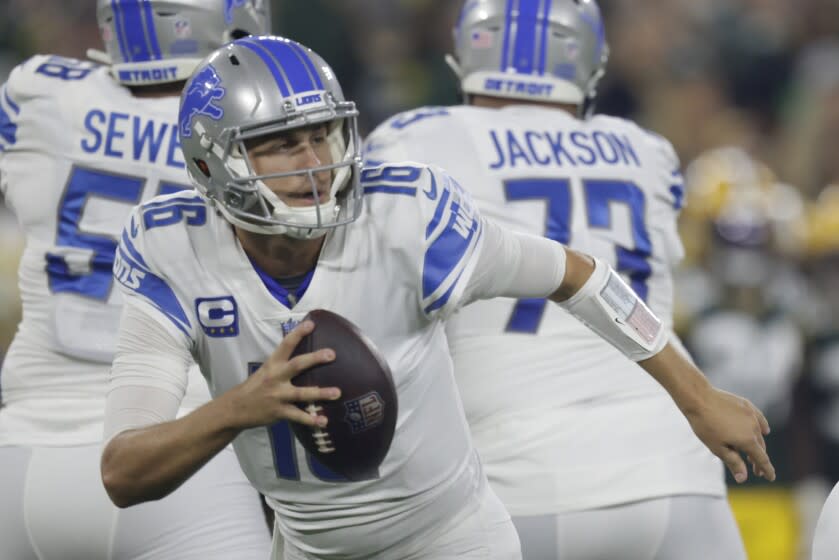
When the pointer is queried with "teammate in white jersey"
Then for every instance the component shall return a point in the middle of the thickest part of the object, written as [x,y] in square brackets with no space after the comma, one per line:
[592,459]
[80,145]
[286,222]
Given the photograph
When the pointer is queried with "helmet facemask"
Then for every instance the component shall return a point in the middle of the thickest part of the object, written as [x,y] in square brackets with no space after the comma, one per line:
[248,202]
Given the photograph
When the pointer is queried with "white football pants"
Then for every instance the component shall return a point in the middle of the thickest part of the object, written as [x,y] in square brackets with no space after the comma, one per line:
[53,506]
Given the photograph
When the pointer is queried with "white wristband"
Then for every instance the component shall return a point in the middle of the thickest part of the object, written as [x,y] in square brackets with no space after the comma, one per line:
[612,310]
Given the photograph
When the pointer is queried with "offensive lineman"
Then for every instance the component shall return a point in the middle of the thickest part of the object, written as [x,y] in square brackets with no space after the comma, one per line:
[80,145]
[592,459]
[286,221]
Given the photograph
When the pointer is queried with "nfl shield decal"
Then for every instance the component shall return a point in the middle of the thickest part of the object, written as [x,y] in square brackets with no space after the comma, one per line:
[365,412]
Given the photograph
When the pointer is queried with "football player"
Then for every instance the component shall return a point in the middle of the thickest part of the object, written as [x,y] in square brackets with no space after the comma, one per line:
[286,221]
[80,145]
[592,458]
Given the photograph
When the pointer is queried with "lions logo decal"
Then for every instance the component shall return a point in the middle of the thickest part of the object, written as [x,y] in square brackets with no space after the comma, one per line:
[204,88]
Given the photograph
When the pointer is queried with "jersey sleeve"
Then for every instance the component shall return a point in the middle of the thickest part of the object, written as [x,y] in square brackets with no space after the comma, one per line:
[400,137]
[668,197]
[143,281]
[433,228]
[30,106]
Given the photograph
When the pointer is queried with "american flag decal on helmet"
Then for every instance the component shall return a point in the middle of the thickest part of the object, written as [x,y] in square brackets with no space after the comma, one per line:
[365,412]
[482,39]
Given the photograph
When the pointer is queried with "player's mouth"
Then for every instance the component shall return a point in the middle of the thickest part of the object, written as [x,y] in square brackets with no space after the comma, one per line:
[306,198]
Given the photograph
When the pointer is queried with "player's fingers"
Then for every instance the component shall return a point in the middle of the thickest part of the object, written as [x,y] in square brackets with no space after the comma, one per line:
[760,441]
[735,464]
[301,363]
[312,419]
[758,456]
[764,423]
[290,341]
[310,394]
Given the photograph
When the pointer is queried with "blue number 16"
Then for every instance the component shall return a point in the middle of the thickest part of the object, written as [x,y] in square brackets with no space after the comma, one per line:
[599,195]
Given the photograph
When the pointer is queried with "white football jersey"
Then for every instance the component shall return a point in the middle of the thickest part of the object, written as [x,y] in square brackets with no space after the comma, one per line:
[77,152]
[561,419]
[395,272]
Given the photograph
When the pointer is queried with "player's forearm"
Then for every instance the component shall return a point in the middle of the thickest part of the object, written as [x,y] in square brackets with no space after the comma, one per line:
[685,383]
[578,269]
[151,462]
[679,377]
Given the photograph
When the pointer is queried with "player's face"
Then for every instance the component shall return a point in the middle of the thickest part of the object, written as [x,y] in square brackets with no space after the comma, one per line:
[294,150]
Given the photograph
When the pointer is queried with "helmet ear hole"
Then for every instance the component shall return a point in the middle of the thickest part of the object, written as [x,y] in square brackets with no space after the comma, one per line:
[239,34]
[202,166]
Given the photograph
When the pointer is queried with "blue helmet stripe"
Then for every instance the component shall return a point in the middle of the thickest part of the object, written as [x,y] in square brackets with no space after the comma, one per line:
[524,49]
[118,28]
[150,29]
[135,36]
[269,62]
[505,47]
[543,49]
[294,68]
[308,62]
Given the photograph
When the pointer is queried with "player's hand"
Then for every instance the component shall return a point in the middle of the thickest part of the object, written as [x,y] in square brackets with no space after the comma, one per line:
[730,425]
[268,394]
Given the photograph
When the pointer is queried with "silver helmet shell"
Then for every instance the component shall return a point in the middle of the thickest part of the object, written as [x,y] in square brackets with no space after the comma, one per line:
[537,50]
[255,87]
[159,41]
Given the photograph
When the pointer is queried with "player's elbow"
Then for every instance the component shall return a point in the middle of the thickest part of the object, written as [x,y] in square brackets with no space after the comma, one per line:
[120,485]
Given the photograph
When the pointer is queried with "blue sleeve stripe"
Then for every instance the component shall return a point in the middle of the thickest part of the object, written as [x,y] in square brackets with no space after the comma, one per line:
[446,252]
[8,129]
[269,61]
[12,105]
[444,299]
[373,163]
[391,189]
[132,251]
[157,292]
[678,193]
[177,200]
[438,214]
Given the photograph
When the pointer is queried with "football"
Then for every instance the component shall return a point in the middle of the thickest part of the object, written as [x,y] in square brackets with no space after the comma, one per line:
[361,423]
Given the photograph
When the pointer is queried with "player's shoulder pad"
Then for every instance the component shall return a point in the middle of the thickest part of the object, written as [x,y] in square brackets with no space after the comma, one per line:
[661,154]
[155,241]
[384,143]
[432,216]
[49,75]
[670,169]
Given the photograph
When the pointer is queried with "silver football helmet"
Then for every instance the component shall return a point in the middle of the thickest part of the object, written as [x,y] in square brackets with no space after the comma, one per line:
[158,41]
[255,87]
[538,50]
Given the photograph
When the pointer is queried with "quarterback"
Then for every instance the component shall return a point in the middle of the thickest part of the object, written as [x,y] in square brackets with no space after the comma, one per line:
[590,456]
[285,221]
[80,145]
